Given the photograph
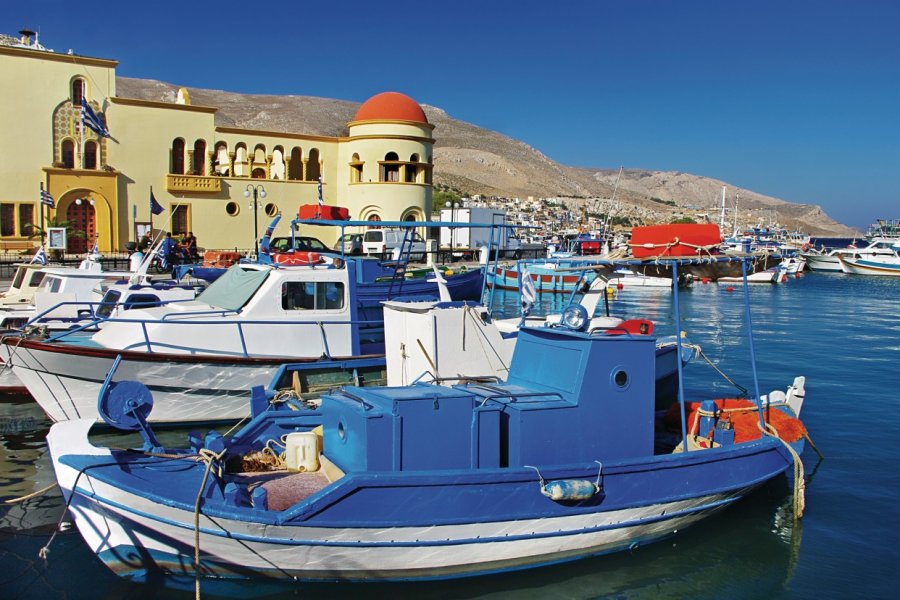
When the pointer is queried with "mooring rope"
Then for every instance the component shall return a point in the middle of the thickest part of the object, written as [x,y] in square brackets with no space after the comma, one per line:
[40,492]
[209,457]
[799,474]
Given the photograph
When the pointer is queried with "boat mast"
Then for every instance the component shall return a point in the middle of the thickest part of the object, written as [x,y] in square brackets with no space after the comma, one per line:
[734,229]
[722,217]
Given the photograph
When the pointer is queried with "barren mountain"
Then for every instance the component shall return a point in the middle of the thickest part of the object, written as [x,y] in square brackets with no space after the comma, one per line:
[475,160]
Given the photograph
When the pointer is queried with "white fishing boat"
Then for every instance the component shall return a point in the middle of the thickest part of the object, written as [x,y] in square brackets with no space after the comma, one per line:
[626,279]
[773,275]
[830,261]
[884,266]
[200,356]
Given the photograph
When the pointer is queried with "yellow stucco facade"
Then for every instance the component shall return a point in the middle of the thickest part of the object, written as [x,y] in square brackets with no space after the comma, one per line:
[197,171]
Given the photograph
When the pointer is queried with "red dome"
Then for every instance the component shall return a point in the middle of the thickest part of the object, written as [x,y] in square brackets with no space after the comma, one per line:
[390,106]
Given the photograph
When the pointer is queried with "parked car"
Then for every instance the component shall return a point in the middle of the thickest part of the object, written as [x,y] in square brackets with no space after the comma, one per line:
[350,243]
[302,243]
[383,241]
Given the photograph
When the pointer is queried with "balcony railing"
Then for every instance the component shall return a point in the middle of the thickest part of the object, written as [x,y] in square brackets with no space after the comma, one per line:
[193,184]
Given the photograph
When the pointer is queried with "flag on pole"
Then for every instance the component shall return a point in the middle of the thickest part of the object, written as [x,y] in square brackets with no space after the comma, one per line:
[529,294]
[92,120]
[155,207]
[321,201]
[40,257]
[95,249]
[47,199]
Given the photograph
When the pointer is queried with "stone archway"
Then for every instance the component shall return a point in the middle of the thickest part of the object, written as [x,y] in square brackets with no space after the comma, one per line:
[88,221]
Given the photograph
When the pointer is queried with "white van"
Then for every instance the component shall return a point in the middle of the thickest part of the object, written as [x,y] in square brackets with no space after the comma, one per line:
[383,241]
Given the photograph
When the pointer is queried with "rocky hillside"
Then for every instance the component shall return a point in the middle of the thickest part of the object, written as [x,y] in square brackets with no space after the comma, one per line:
[475,160]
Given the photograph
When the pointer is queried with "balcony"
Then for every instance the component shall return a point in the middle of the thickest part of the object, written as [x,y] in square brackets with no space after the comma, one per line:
[193,184]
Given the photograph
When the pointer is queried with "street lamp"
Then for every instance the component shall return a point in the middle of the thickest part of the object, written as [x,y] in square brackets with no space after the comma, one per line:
[452,206]
[86,202]
[257,191]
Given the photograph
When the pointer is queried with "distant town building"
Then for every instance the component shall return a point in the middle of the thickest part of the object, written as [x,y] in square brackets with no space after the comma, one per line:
[198,171]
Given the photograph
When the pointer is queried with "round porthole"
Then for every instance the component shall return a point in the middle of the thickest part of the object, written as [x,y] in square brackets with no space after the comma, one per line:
[232,209]
[620,378]
[271,209]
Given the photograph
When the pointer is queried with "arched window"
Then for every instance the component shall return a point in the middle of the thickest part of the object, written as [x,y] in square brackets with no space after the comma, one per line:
[221,164]
[312,165]
[412,169]
[240,160]
[356,169]
[390,167]
[77,91]
[90,154]
[177,156]
[295,169]
[276,169]
[375,220]
[67,154]
[258,173]
[199,166]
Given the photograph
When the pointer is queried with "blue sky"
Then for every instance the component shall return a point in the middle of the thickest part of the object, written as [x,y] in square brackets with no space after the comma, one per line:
[795,99]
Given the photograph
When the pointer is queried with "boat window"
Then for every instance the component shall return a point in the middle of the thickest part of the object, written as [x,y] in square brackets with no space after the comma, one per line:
[36,278]
[141,301]
[312,295]
[51,284]
[234,289]
[108,303]
[17,281]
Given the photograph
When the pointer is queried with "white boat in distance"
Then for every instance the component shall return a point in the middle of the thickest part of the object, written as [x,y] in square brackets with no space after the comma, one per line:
[830,261]
[885,266]
[773,275]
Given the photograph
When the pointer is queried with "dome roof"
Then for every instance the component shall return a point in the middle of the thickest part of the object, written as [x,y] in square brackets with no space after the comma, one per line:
[390,106]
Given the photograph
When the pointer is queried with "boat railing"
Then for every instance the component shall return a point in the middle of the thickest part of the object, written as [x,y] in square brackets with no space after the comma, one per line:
[88,309]
[240,327]
[499,394]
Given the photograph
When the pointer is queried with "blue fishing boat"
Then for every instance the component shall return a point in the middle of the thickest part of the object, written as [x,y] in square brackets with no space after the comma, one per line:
[565,459]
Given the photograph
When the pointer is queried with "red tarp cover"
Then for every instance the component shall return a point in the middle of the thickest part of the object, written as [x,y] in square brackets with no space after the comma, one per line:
[654,240]
[329,213]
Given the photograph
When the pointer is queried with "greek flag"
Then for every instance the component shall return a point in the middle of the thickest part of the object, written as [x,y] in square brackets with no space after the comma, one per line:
[92,120]
[40,257]
[47,199]
[528,293]
[321,202]
[95,249]
[155,207]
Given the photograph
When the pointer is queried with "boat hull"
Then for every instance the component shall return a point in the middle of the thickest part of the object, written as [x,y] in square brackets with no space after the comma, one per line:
[65,380]
[389,526]
[884,267]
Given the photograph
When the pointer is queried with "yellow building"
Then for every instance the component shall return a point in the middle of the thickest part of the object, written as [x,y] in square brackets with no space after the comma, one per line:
[204,176]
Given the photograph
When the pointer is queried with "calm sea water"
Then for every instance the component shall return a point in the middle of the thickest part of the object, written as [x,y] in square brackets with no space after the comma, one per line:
[842,333]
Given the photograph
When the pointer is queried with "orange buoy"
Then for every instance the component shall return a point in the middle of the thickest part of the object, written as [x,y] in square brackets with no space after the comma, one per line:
[729,289]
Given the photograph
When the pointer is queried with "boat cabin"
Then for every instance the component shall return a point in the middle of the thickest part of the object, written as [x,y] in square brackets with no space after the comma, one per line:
[27,279]
[301,311]
[571,398]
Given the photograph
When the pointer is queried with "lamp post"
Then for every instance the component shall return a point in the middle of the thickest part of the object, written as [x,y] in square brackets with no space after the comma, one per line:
[86,202]
[256,191]
[452,206]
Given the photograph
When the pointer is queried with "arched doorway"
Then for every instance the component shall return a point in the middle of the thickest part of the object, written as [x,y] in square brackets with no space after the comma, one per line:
[82,219]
